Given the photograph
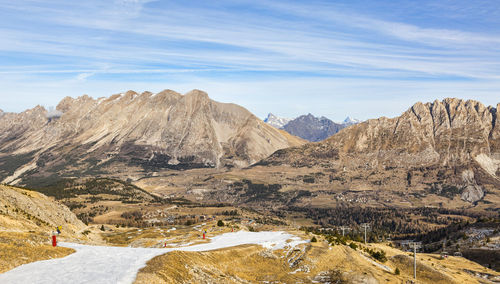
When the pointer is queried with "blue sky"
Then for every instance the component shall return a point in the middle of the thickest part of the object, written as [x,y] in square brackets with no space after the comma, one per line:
[364,59]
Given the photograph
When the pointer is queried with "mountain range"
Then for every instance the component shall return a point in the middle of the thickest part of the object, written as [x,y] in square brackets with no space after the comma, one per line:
[423,175]
[133,132]
[439,151]
[308,126]
[445,147]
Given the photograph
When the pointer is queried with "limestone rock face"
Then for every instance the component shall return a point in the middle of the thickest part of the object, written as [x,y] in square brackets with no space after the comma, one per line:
[472,193]
[449,135]
[144,131]
[446,132]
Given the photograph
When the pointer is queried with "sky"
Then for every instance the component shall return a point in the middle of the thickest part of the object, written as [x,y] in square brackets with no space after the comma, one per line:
[358,58]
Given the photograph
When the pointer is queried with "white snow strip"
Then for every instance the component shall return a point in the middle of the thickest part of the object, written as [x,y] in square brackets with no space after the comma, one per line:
[100,264]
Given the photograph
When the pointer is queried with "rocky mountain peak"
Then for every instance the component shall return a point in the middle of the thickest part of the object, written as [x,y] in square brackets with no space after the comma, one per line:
[276,121]
[198,94]
[65,104]
[131,93]
[312,128]
[84,98]
[350,121]
[168,93]
[309,116]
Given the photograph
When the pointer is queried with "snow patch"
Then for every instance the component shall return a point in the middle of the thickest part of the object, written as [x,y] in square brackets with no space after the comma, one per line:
[275,121]
[99,264]
[350,121]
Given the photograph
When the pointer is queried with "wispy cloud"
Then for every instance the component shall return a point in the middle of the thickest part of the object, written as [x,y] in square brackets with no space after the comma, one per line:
[94,42]
[84,76]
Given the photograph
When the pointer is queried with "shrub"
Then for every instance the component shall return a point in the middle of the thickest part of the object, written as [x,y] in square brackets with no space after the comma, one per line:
[220,223]
[313,239]
[353,246]
[308,179]
[378,255]
[397,272]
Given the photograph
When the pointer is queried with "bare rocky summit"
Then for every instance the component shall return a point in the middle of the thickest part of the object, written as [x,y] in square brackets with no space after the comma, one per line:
[443,145]
[312,128]
[131,131]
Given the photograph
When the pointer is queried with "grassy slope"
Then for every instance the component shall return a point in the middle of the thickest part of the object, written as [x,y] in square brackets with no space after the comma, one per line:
[17,248]
[26,221]
[319,262]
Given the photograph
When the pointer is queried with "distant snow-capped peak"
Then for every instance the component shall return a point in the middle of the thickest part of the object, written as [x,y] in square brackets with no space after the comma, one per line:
[350,121]
[276,121]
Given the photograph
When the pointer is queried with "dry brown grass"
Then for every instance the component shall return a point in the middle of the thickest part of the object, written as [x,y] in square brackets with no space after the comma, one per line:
[432,269]
[155,236]
[20,248]
[318,262]
[232,265]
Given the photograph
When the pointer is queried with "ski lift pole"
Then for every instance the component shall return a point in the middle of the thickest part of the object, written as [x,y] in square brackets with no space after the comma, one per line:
[365,226]
[415,246]
[415,261]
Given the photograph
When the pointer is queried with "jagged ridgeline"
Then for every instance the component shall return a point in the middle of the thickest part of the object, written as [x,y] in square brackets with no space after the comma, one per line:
[445,148]
[132,133]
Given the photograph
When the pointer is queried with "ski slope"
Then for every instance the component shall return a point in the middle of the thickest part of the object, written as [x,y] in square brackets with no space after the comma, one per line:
[101,264]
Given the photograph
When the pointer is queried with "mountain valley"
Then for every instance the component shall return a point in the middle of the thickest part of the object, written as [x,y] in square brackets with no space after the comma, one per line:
[120,164]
